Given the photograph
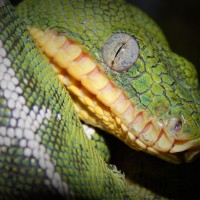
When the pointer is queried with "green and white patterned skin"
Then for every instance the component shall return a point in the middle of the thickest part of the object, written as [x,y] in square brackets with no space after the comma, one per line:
[43,149]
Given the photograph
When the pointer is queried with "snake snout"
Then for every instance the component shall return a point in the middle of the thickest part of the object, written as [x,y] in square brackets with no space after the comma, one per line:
[185,142]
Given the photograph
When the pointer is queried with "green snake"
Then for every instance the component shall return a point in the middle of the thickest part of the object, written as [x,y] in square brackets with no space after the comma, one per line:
[122,77]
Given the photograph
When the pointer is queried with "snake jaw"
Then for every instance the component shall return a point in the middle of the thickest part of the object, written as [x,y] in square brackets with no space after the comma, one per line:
[166,141]
[113,110]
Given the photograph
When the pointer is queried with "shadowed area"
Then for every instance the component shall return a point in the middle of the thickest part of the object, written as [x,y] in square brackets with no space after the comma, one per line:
[165,179]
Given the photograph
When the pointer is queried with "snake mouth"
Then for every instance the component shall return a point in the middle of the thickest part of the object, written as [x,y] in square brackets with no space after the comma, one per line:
[99,102]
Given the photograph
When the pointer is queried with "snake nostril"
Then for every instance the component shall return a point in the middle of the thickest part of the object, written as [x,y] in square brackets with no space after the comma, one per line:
[178,125]
[174,125]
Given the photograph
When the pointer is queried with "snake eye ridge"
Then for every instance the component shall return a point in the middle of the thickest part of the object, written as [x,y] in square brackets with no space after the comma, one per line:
[120,52]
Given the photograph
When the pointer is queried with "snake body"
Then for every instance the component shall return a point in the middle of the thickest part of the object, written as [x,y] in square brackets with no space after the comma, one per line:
[122,77]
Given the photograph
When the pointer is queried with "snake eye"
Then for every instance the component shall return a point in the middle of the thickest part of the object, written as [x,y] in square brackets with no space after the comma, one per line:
[174,125]
[120,52]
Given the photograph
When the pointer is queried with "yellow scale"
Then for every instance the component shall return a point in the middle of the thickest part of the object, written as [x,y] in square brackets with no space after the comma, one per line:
[98,101]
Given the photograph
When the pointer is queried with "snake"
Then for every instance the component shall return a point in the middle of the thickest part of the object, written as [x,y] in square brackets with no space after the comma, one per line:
[105,64]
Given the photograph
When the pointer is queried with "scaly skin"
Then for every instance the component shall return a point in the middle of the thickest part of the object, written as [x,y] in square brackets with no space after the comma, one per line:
[40,133]
[161,87]
[44,152]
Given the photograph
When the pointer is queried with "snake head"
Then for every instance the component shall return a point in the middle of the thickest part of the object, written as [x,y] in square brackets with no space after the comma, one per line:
[122,75]
[163,87]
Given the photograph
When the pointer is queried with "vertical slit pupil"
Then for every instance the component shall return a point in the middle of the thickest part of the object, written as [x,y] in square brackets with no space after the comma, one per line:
[119,49]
